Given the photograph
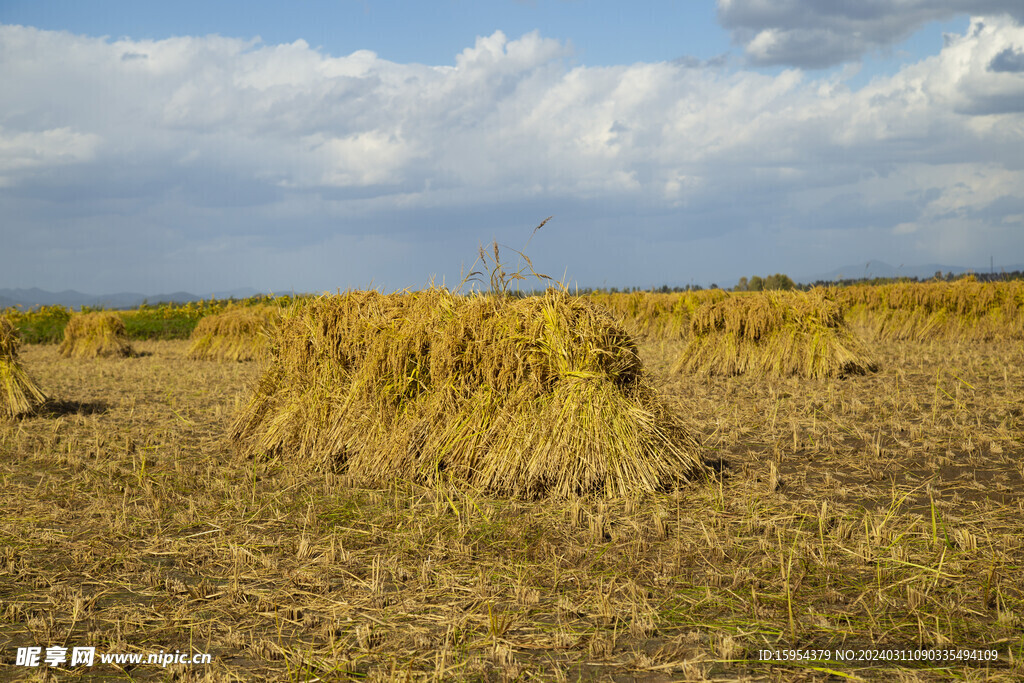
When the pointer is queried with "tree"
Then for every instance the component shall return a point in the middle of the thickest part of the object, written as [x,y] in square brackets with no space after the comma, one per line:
[779,281]
[741,286]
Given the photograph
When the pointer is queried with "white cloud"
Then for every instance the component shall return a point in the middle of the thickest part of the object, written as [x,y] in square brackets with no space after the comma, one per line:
[223,141]
[359,160]
[20,152]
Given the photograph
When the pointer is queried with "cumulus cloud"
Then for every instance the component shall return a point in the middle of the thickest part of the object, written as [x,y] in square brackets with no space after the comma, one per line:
[205,153]
[55,147]
[821,33]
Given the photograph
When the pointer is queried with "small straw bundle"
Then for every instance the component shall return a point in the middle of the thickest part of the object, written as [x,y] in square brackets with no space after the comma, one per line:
[774,334]
[95,335]
[527,397]
[19,395]
[238,334]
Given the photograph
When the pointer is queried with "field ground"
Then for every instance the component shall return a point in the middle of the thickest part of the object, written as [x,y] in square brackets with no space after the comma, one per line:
[884,511]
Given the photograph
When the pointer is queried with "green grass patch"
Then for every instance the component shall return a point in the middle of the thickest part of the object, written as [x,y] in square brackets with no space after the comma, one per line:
[44,325]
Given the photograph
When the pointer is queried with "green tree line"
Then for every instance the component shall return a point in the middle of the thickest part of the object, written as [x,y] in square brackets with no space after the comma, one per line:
[760,284]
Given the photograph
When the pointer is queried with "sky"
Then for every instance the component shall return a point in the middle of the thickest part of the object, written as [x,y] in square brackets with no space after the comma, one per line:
[333,144]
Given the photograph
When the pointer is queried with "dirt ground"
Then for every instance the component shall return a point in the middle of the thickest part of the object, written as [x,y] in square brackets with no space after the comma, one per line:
[879,516]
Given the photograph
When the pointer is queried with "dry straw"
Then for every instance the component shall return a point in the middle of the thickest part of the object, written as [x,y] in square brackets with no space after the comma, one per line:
[656,315]
[774,334]
[533,396]
[95,335]
[19,395]
[962,310]
[238,334]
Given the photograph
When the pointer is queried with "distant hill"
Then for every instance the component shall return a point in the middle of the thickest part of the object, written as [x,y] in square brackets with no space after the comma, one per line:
[30,298]
[880,269]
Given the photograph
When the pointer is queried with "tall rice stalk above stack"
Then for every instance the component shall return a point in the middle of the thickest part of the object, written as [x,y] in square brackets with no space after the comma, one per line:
[238,334]
[95,335]
[521,396]
[19,395]
[774,334]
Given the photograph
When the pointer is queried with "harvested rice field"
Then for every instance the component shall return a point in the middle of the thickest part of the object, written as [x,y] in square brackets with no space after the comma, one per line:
[843,526]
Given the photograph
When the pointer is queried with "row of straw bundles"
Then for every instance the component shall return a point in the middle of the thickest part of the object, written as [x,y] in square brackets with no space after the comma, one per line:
[533,396]
[19,395]
[237,334]
[658,315]
[95,335]
[774,334]
[963,309]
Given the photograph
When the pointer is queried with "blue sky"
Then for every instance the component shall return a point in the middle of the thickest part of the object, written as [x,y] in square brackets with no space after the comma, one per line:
[603,33]
[331,144]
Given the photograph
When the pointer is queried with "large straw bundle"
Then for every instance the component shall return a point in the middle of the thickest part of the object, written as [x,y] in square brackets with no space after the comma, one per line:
[774,334]
[542,395]
[237,334]
[19,395]
[94,335]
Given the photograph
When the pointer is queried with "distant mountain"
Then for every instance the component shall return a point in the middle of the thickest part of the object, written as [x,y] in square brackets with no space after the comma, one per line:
[873,269]
[30,298]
